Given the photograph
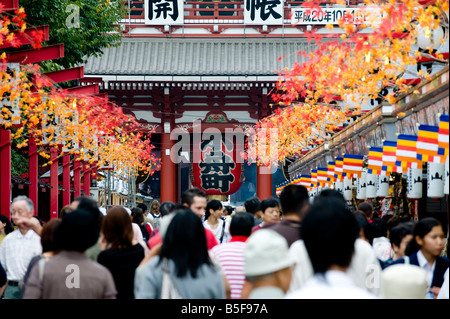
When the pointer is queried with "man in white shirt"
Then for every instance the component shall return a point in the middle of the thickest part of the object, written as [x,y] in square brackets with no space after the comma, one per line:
[20,246]
[329,232]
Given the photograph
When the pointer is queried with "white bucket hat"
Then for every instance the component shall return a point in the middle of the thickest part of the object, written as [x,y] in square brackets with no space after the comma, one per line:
[266,252]
[403,281]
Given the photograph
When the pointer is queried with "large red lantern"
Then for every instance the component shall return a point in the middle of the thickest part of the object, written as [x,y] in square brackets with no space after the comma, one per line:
[219,170]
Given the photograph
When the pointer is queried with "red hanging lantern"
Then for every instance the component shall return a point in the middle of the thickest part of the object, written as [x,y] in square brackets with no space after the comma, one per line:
[218,172]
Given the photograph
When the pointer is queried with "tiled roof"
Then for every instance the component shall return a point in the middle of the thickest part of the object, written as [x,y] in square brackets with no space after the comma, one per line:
[144,56]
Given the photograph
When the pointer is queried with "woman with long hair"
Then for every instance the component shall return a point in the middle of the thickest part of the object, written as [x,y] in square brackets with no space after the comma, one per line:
[120,253]
[184,257]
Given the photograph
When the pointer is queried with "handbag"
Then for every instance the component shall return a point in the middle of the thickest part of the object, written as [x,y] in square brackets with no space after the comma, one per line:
[168,289]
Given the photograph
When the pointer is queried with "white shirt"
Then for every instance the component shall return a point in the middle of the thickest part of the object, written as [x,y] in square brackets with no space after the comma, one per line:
[303,269]
[423,263]
[332,285]
[443,293]
[16,252]
[218,231]
[365,269]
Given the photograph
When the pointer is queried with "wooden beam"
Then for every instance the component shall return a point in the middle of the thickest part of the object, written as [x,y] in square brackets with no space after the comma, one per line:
[84,89]
[10,5]
[50,52]
[66,75]
[25,37]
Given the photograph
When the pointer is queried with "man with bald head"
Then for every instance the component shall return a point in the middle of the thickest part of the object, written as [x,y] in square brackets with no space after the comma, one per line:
[20,246]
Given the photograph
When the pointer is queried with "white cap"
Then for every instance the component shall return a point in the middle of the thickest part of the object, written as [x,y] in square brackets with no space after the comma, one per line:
[128,210]
[266,252]
[403,281]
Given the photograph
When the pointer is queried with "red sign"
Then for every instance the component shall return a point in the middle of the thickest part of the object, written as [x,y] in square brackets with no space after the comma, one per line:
[219,172]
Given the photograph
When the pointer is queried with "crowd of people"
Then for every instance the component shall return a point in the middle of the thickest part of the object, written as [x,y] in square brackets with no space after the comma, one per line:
[275,248]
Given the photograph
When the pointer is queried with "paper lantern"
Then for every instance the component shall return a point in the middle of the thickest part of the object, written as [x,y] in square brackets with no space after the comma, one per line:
[371,182]
[427,37]
[339,186]
[435,180]
[383,186]
[219,172]
[446,178]
[414,183]
[312,194]
[361,186]
[348,192]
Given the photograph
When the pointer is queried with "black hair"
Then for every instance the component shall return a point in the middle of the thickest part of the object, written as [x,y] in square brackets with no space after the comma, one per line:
[293,198]
[366,208]
[252,205]
[399,232]
[77,231]
[329,231]
[166,208]
[364,225]
[421,229]
[330,193]
[89,205]
[229,210]
[142,206]
[379,228]
[185,243]
[9,227]
[241,224]
[39,220]
[138,215]
[188,196]
[213,204]
[269,202]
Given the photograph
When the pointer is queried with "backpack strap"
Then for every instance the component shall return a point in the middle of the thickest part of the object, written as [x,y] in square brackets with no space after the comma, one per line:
[223,230]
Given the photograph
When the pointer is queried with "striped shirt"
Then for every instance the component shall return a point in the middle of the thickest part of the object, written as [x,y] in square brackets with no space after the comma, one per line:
[230,256]
[16,252]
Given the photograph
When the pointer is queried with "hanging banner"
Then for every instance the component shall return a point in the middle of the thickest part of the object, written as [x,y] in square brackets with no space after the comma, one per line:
[435,180]
[446,178]
[162,12]
[414,183]
[383,186]
[371,181]
[361,185]
[263,12]
[348,192]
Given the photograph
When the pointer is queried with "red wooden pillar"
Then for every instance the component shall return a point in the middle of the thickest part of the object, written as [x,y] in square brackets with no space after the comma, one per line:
[76,177]
[66,179]
[86,179]
[5,172]
[54,183]
[33,157]
[168,171]
[264,182]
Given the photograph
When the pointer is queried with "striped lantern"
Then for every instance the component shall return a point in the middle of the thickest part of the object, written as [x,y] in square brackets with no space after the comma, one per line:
[371,182]
[435,180]
[414,183]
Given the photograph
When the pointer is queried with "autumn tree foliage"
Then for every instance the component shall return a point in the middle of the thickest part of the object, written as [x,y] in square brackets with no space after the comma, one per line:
[90,128]
[352,67]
